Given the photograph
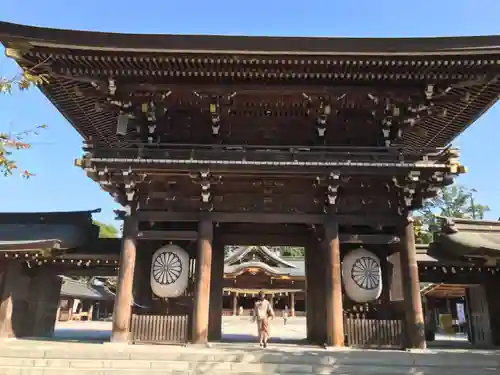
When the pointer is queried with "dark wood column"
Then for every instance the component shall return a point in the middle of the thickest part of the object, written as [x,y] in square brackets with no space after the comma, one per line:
[16,312]
[203,282]
[493,304]
[8,271]
[386,286]
[292,304]
[310,289]
[414,317]
[215,309]
[334,311]
[45,292]
[316,289]
[235,303]
[124,296]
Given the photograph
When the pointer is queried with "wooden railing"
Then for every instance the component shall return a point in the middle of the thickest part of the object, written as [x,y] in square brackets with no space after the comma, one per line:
[374,333]
[159,328]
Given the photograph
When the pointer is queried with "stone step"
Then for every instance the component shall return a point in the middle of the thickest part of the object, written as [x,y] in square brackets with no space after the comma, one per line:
[125,367]
[264,370]
[32,357]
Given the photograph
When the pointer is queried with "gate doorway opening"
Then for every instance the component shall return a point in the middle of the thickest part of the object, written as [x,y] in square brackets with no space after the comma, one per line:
[456,316]
[279,272]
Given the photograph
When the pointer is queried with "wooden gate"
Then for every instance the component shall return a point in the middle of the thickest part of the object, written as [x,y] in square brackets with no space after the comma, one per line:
[173,324]
[374,333]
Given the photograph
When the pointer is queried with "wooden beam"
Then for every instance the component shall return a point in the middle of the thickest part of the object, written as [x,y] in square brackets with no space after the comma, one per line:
[302,240]
[269,218]
[173,235]
[248,239]
[241,168]
[80,271]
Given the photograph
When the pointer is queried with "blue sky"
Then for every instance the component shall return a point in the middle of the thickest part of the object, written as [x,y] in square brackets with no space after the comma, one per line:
[61,186]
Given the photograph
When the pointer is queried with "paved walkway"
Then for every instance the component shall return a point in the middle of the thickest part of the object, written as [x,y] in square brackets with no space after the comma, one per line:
[234,328]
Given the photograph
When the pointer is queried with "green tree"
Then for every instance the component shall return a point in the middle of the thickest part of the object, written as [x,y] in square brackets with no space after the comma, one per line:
[9,143]
[292,251]
[106,230]
[452,201]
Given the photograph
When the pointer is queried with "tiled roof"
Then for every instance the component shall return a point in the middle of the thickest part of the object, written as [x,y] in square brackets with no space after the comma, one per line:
[82,290]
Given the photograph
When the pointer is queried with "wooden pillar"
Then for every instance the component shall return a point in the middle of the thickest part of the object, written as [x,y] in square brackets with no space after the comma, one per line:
[321,294]
[292,304]
[91,311]
[45,293]
[315,294]
[310,295]
[7,273]
[334,311]
[215,309]
[15,315]
[493,304]
[235,303]
[385,297]
[124,291]
[414,317]
[203,281]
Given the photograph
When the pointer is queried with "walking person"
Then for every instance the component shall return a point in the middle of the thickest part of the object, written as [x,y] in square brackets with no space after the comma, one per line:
[263,313]
[285,315]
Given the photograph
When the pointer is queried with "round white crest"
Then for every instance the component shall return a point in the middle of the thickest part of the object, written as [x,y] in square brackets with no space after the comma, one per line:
[169,271]
[362,276]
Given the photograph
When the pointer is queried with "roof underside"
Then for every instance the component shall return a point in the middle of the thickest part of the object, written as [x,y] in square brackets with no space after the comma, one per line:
[464,68]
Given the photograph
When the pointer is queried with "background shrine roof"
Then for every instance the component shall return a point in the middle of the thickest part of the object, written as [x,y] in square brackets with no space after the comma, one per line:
[238,254]
[282,271]
[50,37]
[430,254]
[83,290]
[469,238]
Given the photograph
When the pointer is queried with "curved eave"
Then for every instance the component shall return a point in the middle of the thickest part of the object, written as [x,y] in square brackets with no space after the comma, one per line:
[30,246]
[469,244]
[57,38]
[242,268]
[40,217]
[239,254]
[257,291]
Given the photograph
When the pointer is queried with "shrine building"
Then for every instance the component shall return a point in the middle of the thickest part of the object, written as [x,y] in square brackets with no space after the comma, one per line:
[207,141]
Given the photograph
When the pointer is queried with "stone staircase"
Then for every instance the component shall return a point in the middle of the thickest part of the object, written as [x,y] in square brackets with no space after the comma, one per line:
[29,357]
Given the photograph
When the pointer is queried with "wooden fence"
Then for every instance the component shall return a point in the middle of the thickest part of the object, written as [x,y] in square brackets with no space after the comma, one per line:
[374,333]
[248,312]
[150,328]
